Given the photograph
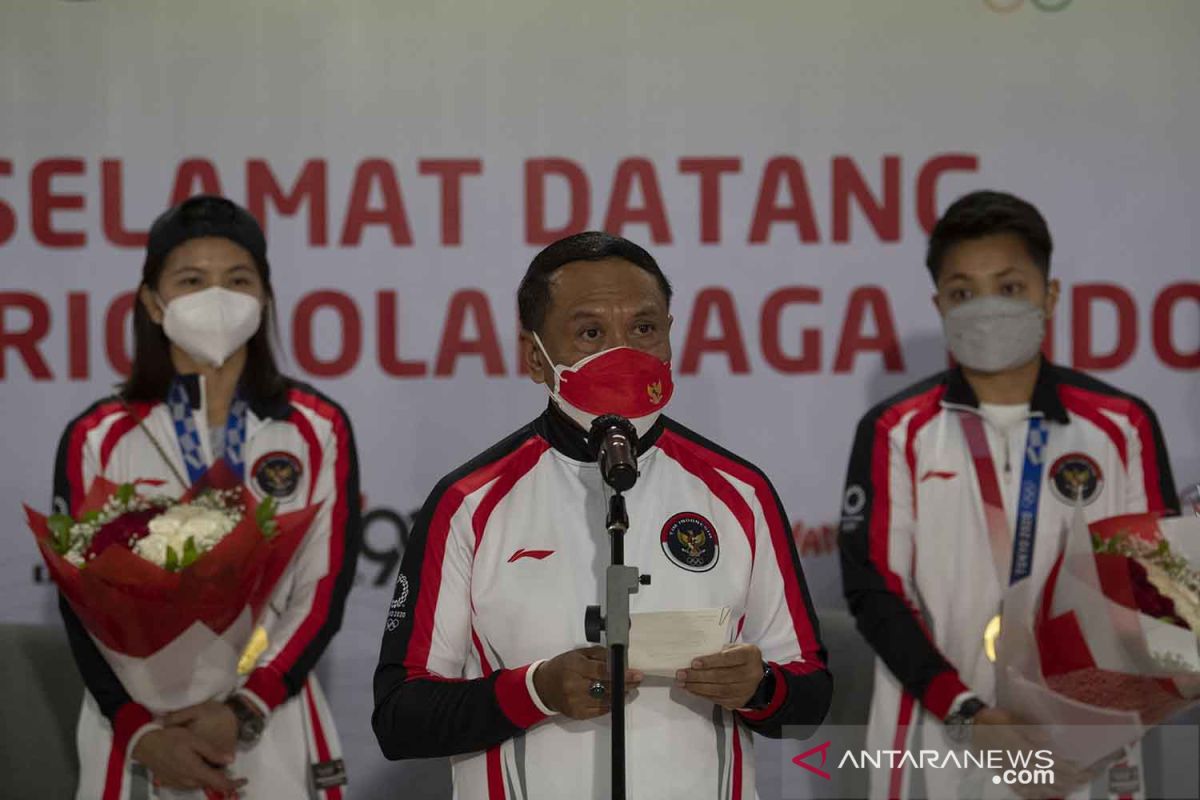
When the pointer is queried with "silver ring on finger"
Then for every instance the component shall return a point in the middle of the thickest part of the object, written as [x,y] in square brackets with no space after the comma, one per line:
[597,690]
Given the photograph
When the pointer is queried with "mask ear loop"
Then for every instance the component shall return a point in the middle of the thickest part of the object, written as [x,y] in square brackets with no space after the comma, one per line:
[549,361]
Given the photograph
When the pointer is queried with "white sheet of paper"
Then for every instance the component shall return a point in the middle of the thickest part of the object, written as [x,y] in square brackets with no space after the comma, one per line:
[661,642]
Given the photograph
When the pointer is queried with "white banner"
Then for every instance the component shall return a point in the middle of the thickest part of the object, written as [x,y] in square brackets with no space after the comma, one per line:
[782,161]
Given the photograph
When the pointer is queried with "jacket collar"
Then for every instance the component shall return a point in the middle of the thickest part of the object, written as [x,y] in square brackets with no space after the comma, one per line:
[569,439]
[263,409]
[1045,400]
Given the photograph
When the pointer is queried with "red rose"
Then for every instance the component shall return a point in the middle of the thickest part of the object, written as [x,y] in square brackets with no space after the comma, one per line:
[1149,600]
[124,530]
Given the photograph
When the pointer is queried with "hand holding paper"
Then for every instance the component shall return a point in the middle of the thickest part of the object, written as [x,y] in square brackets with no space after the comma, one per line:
[692,647]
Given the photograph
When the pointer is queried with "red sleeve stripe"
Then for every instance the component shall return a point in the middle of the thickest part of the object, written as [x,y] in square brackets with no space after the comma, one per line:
[267,684]
[309,436]
[416,657]
[323,595]
[941,691]
[1138,418]
[513,697]
[778,695]
[800,668]
[686,455]
[780,540]
[79,434]
[519,463]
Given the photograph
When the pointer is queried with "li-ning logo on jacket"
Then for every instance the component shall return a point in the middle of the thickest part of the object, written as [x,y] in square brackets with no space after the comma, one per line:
[521,552]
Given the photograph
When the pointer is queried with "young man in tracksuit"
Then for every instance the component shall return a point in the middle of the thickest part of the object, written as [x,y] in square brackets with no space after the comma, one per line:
[484,656]
[932,500]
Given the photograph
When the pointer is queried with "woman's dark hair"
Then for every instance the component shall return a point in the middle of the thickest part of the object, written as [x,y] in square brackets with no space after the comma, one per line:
[988,213]
[533,296]
[204,215]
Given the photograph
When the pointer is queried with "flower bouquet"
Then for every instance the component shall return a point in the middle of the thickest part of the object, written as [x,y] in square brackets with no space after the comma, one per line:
[1111,640]
[171,590]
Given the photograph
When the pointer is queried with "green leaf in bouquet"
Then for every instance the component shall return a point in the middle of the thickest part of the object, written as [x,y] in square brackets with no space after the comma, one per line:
[189,553]
[90,516]
[60,527]
[265,517]
[124,493]
[172,564]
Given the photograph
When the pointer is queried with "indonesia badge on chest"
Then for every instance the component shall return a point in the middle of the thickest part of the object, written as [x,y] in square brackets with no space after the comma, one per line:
[689,541]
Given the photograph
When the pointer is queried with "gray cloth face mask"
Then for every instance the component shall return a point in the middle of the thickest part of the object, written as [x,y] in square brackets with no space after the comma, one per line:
[993,334]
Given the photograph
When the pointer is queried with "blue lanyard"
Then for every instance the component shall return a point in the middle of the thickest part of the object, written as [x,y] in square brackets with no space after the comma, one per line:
[1027,502]
[189,438]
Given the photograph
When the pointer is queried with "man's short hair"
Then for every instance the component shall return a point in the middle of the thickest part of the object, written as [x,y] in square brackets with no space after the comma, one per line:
[990,213]
[533,296]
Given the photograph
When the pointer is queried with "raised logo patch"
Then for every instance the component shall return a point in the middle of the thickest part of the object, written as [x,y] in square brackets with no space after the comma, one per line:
[1076,475]
[690,541]
[278,474]
[396,610]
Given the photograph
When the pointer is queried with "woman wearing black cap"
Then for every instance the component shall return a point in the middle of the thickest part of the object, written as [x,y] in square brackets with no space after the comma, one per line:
[204,386]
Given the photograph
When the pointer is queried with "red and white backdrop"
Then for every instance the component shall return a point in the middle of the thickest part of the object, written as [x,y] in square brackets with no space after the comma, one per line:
[783,161]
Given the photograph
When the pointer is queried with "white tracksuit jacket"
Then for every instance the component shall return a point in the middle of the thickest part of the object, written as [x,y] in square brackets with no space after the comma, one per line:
[917,569]
[505,556]
[299,450]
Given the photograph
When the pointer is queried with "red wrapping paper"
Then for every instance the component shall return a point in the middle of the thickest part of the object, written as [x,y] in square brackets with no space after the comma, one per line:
[136,607]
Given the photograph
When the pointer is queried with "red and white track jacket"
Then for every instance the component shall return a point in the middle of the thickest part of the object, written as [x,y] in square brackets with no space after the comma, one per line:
[505,556]
[301,451]
[917,569]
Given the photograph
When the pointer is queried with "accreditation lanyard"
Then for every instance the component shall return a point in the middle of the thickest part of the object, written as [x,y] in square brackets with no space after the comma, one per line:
[189,437]
[1020,563]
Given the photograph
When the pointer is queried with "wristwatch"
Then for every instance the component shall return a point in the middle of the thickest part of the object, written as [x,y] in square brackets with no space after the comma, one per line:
[960,723]
[765,691]
[250,722]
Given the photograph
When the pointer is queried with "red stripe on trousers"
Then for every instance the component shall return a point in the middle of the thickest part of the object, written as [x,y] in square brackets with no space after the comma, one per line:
[495,775]
[735,790]
[896,781]
[126,722]
[334,792]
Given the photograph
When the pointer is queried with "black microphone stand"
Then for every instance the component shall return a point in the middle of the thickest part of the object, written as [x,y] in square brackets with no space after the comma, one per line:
[621,581]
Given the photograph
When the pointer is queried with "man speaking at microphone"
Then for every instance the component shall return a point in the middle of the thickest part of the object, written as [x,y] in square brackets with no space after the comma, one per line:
[484,656]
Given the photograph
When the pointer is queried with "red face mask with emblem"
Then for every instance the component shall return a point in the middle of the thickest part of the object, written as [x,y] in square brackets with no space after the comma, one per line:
[620,380]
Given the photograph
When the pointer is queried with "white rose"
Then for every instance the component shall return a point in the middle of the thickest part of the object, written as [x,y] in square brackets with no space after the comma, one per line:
[204,529]
[153,548]
[164,525]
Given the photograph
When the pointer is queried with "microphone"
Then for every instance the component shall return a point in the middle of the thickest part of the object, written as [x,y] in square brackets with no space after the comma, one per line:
[615,440]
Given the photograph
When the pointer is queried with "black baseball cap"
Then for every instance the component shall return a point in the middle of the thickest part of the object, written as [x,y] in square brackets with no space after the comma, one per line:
[207,215]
